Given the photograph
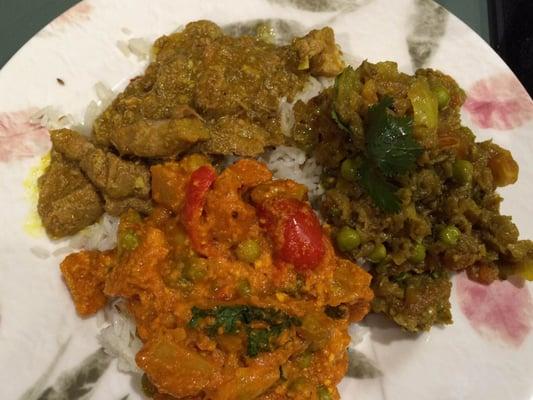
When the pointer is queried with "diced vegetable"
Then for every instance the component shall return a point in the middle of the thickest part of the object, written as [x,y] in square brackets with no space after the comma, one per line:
[301,387]
[295,230]
[304,360]
[248,251]
[244,288]
[425,105]
[463,170]
[248,383]
[195,195]
[195,269]
[348,239]
[316,329]
[442,95]
[418,254]
[347,97]
[349,169]
[449,235]
[176,368]
[503,167]
[323,393]
[378,254]
[129,241]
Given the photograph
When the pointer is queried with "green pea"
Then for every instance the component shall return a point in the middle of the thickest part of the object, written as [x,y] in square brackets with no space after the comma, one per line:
[348,239]
[349,169]
[323,393]
[248,251]
[442,95]
[449,235]
[301,386]
[304,360]
[148,387]
[378,254]
[244,288]
[129,241]
[418,254]
[463,170]
[194,269]
[328,181]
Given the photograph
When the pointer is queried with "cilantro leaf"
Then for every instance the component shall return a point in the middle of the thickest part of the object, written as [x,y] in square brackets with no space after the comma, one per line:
[237,318]
[378,188]
[389,141]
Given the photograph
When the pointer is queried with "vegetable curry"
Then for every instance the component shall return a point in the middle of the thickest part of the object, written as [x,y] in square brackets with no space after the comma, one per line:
[244,301]
[409,189]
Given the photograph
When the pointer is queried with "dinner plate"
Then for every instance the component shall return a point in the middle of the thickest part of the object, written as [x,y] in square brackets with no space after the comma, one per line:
[48,352]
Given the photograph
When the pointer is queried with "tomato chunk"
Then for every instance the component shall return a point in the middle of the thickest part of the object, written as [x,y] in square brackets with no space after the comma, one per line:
[295,230]
[195,196]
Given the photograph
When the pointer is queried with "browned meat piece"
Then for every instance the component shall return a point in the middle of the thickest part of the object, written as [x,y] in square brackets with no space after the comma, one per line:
[159,138]
[115,177]
[119,206]
[70,144]
[319,53]
[68,202]
[238,136]
[217,75]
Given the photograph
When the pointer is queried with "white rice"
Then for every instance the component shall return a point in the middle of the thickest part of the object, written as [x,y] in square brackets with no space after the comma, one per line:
[140,47]
[100,236]
[40,252]
[123,47]
[62,251]
[104,93]
[118,337]
[291,163]
[51,118]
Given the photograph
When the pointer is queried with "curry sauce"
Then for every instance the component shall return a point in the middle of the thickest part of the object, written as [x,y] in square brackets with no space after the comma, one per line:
[226,299]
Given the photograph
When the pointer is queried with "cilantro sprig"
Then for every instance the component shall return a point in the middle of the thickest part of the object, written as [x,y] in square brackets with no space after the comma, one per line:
[242,318]
[390,148]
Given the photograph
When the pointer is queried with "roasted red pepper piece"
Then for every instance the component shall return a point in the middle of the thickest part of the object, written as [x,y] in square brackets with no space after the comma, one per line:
[295,231]
[195,196]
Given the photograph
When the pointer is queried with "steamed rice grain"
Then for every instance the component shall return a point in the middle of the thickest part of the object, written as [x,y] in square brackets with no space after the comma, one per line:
[119,338]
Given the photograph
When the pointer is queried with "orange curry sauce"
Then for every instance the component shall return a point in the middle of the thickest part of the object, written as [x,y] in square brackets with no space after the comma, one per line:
[234,286]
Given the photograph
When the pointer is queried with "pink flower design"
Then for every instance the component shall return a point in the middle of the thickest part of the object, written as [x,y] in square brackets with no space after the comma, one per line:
[19,138]
[79,13]
[499,310]
[499,102]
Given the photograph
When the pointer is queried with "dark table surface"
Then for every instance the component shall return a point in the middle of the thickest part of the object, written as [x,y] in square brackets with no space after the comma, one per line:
[21,19]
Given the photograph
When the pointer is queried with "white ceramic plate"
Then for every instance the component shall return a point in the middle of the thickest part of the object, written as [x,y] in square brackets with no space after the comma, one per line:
[47,352]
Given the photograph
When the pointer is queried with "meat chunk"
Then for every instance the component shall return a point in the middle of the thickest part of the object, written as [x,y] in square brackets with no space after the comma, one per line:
[119,206]
[159,138]
[123,184]
[68,202]
[238,136]
[115,177]
[70,144]
[319,53]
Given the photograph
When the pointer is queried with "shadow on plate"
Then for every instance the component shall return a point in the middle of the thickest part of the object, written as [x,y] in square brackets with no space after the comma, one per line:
[383,330]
